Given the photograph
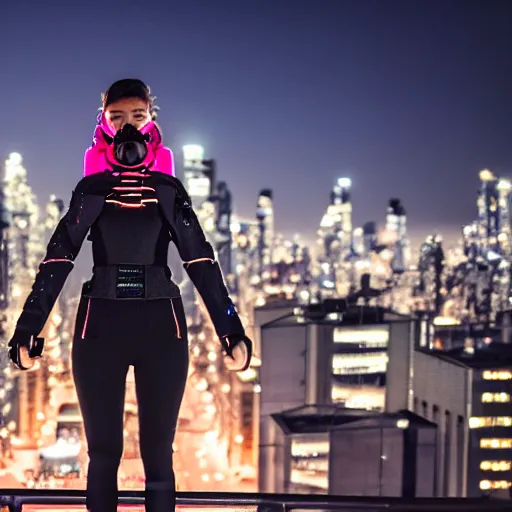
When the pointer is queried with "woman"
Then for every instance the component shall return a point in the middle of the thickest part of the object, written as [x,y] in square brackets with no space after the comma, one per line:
[130,311]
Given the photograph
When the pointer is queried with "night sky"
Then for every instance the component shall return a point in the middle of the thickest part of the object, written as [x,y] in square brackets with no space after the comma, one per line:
[408,98]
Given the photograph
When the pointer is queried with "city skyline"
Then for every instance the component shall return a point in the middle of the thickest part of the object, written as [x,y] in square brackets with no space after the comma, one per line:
[410,105]
[377,342]
[450,235]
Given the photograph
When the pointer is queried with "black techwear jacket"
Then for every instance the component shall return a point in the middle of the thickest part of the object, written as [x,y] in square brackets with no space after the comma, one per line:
[130,219]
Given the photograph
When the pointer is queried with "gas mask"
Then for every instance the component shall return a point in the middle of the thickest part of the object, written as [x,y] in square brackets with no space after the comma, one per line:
[128,150]
[130,146]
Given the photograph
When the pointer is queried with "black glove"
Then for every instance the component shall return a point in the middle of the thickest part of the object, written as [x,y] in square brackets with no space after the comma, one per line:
[24,349]
[238,349]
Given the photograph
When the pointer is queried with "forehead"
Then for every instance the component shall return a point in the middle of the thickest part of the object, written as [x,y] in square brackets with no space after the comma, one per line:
[127,104]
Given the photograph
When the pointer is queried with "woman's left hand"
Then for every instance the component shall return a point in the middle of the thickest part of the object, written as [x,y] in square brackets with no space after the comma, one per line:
[238,349]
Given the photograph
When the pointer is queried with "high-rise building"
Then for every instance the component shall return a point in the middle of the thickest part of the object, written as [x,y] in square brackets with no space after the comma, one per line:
[396,229]
[335,230]
[325,354]
[198,174]
[489,220]
[466,392]
[223,229]
[265,217]
[476,281]
[25,250]
[335,242]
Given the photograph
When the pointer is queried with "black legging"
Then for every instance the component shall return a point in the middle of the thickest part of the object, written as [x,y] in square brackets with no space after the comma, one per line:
[111,335]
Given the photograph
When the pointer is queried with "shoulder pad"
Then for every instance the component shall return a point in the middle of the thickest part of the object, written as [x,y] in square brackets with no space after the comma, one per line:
[97,184]
[163,180]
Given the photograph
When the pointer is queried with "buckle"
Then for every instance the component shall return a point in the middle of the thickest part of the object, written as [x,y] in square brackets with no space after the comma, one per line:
[131,282]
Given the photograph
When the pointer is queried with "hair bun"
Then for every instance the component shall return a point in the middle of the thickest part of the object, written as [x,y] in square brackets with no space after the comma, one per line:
[126,88]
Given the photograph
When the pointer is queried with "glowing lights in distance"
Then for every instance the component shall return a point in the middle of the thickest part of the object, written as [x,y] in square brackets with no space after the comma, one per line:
[344,182]
[193,152]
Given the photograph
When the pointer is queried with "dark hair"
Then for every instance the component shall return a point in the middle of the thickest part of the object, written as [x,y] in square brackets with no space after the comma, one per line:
[129,88]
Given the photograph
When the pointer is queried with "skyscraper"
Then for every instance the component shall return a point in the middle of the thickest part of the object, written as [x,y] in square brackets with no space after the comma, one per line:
[265,216]
[198,174]
[25,250]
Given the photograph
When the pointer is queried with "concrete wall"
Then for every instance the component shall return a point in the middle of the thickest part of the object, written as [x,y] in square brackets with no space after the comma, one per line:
[366,462]
[442,395]
[283,379]
[265,315]
[399,376]
[426,462]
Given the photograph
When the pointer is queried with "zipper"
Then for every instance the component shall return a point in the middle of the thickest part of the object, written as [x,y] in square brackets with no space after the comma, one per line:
[178,332]
[86,321]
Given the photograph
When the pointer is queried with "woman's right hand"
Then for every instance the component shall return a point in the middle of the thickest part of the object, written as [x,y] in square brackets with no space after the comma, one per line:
[25,349]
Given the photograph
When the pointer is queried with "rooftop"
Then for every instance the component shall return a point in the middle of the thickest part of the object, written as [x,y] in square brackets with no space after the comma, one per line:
[310,419]
[335,312]
[389,420]
[494,355]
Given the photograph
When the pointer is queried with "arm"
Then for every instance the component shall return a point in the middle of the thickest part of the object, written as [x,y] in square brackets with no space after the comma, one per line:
[52,274]
[203,270]
[58,262]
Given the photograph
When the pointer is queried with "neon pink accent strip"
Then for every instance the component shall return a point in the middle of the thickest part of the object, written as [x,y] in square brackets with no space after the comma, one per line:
[198,260]
[178,332]
[125,205]
[132,205]
[57,260]
[137,174]
[133,188]
[86,321]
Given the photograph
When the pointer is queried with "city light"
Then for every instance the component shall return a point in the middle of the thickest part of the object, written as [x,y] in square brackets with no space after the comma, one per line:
[368,264]
[344,182]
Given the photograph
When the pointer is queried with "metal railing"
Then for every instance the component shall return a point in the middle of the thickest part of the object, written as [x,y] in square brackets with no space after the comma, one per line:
[16,500]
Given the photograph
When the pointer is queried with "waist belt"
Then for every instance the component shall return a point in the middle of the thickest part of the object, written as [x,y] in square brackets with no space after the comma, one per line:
[123,282]
[131,282]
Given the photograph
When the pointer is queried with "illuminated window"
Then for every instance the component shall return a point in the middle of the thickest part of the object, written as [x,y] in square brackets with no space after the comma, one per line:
[496,443]
[306,448]
[495,465]
[310,463]
[495,397]
[198,186]
[490,421]
[359,397]
[494,484]
[357,364]
[497,375]
[370,337]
